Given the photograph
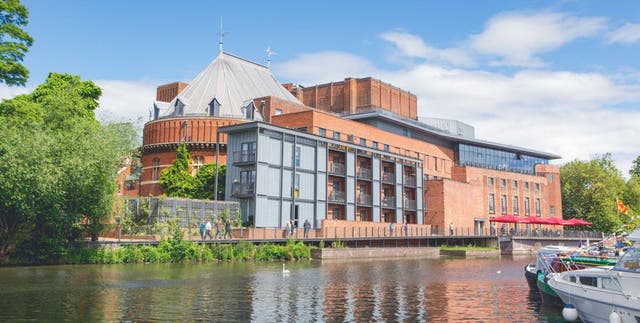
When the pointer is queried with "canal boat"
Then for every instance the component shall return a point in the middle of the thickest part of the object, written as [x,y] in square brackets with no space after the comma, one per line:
[603,294]
[544,257]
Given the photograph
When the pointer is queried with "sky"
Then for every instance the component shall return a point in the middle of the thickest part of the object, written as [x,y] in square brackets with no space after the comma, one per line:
[557,76]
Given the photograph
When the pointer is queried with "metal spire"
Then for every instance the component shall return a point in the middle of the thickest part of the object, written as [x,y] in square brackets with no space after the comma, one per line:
[220,35]
[269,53]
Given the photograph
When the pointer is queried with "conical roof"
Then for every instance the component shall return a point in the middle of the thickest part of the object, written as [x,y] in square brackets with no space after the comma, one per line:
[231,81]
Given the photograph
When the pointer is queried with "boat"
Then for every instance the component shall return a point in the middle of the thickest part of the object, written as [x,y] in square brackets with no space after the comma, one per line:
[544,257]
[603,294]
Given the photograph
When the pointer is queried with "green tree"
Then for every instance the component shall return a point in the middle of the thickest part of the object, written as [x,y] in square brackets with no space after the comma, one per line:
[635,167]
[55,174]
[177,181]
[589,191]
[206,182]
[14,42]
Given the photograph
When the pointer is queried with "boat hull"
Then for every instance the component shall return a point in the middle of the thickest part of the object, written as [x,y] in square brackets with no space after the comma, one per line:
[547,295]
[530,273]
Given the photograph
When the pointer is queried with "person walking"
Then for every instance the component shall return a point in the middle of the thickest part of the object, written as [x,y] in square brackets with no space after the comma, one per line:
[306,226]
[288,228]
[451,228]
[391,229]
[227,229]
[203,227]
[208,229]
[293,227]
[218,229]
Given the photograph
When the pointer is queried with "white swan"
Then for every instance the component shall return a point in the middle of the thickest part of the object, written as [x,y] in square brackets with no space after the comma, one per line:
[285,271]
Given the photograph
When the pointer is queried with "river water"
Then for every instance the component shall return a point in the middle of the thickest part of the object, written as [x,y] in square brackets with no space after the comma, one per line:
[418,290]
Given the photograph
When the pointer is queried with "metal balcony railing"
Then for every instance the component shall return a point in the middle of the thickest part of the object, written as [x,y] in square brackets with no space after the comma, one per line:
[388,178]
[241,157]
[363,199]
[337,168]
[336,196]
[410,204]
[409,180]
[243,189]
[364,173]
[389,202]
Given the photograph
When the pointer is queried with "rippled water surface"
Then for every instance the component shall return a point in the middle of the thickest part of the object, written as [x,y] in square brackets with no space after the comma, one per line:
[483,290]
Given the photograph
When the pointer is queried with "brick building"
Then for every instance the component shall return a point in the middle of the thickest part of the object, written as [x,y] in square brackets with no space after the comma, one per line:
[397,167]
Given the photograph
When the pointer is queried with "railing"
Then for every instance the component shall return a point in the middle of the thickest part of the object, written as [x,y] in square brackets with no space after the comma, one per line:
[243,189]
[337,168]
[409,181]
[244,156]
[389,202]
[336,196]
[364,173]
[388,178]
[364,199]
[410,204]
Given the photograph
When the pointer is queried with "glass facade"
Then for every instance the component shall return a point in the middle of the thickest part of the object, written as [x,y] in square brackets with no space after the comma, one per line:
[497,159]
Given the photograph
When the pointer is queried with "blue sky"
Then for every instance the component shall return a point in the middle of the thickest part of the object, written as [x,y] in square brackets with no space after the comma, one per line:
[557,76]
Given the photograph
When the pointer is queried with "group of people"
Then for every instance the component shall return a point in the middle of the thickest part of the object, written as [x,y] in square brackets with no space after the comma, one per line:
[223,229]
[291,228]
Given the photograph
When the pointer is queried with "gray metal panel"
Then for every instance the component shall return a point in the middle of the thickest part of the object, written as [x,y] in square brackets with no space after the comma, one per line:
[375,193]
[268,215]
[286,184]
[399,216]
[286,212]
[269,183]
[321,212]
[322,158]
[306,157]
[306,186]
[321,188]
[350,190]
[399,173]
[376,214]
[351,162]
[305,212]
[351,211]
[376,168]
[419,174]
[419,212]
[269,150]
[288,154]
[399,196]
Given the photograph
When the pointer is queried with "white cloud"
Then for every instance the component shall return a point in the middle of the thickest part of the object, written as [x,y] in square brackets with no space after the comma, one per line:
[575,115]
[315,68]
[125,100]
[413,46]
[517,37]
[629,33]
[8,92]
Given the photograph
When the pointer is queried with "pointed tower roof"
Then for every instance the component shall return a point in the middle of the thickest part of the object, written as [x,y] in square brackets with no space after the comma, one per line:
[231,81]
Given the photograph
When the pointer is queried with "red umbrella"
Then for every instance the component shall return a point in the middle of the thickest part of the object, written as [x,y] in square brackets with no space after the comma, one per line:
[576,222]
[553,221]
[533,220]
[508,218]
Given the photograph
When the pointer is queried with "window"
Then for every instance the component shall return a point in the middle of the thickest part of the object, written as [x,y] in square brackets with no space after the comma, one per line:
[538,213]
[514,185]
[363,215]
[385,147]
[435,162]
[552,210]
[527,207]
[387,216]
[516,205]
[296,185]
[374,144]
[526,186]
[336,186]
[278,112]
[550,178]
[156,169]
[247,177]
[492,203]
[503,183]
[335,213]
[503,204]
[297,157]
[350,138]
[322,132]
[247,151]
[336,135]
[490,182]
[536,188]
[363,142]
[197,162]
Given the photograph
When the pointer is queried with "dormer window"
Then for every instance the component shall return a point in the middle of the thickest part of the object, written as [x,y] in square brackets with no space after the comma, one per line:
[179,107]
[214,108]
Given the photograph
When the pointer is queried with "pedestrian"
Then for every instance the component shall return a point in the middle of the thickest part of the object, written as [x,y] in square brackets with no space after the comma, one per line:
[451,228]
[288,228]
[306,226]
[391,228]
[218,229]
[406,228]
[227,229]
[293,227]
[203,227]
[208,229]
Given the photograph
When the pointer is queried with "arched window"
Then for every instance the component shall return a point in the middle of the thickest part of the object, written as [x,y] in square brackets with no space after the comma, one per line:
[196,163]
[156,169]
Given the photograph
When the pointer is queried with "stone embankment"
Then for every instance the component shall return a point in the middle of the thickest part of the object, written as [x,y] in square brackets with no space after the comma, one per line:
[371,253]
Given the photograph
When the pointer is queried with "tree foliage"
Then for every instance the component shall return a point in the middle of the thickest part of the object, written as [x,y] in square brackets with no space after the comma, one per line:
[590,190]
[57,168]
[635,167]
[206,182]
[14,42]
[177,180]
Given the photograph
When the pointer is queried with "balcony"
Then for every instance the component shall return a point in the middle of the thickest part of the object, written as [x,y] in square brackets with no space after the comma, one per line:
[410,204]
[410,180]
[363,199]
[364,173]
[389,202]
[243,189]
[389,178]
[244,157]
[336,197]
[337,169]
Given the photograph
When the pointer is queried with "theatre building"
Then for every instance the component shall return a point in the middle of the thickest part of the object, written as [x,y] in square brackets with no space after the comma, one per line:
[347,153]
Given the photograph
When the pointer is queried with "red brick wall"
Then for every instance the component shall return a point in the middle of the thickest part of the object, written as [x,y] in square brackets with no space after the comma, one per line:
[273,103]
[168,92]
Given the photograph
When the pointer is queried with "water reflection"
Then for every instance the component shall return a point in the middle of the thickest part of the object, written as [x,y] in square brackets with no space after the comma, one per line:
[484,290]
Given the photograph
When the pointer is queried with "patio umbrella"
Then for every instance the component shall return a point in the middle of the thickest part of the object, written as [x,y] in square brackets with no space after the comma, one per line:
[507,218]
[533,220]
[553,221]
[576,222]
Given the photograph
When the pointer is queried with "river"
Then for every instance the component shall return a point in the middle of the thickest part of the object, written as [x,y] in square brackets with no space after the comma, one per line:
[406,290]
